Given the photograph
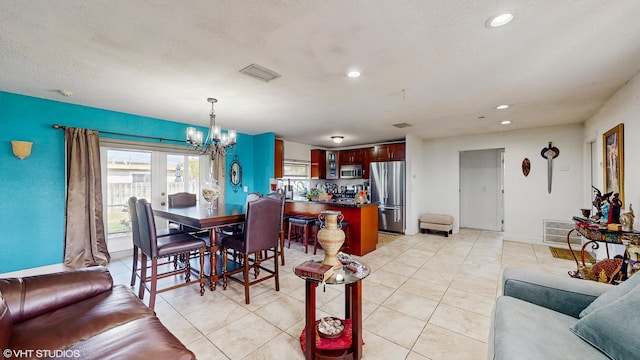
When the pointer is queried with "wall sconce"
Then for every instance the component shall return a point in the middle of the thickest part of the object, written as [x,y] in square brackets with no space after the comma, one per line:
[21,149]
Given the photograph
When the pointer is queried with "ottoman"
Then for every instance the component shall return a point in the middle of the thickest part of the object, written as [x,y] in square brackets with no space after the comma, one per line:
[437,222]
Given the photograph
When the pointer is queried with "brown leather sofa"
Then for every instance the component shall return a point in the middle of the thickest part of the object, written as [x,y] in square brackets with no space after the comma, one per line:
[80,314]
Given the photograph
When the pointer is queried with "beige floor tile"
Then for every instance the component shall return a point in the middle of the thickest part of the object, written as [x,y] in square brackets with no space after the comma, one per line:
[281,347]
[376,293]
[394,326]
[409,304]
[441,344]
[426,289]
[377,347]
[243,336]
[462,321]
[216,316]
[283,313]
[205,350]
[472,302]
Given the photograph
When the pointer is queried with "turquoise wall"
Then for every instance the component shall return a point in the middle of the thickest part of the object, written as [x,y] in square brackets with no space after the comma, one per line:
[33,190]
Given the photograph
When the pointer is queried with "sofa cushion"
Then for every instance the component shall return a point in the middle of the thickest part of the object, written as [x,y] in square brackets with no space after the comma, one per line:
[61,328]
[614,328]
[521,330]
[611,295]
[142,339]
[31,296]
[5,324]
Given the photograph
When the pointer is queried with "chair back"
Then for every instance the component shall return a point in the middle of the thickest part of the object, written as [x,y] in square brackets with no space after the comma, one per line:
[181,200]
[252,196]
[133,215]
[262,225]
[147,226]
[281,198]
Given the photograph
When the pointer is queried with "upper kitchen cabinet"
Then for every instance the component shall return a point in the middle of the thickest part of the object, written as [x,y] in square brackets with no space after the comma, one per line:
[333,165]
[390,152]
[351,157]
[318,164]
[278,168]
[368,155]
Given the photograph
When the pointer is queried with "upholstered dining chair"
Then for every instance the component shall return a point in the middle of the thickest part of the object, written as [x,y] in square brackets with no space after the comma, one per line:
[183,200]
[281,198]
[261,232]
[135,235]
[154,248]
[238,228]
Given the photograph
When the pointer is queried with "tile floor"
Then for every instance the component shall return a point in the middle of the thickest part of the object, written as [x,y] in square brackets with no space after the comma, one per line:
[428,297]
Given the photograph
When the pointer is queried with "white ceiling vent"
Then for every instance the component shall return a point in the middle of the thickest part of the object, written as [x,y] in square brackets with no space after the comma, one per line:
[260,73]
[402,125]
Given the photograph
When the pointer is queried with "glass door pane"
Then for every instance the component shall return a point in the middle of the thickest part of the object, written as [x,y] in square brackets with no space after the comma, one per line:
[183,174]
[128,173]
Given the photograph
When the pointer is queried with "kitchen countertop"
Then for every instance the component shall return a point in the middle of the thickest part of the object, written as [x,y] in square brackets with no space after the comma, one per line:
[343,203]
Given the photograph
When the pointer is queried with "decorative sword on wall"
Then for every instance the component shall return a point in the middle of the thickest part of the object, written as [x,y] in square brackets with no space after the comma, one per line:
[550,153]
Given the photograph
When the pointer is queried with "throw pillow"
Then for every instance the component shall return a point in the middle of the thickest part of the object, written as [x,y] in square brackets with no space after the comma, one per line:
[612,328]
[611,295]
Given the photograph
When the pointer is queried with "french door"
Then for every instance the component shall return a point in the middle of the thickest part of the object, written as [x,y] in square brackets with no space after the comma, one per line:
[150,173]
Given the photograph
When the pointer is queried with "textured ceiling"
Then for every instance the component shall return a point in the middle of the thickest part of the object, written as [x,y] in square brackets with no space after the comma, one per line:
[432,64]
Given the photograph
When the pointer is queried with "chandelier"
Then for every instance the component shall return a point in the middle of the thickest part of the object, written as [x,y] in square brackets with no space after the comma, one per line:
[216,141]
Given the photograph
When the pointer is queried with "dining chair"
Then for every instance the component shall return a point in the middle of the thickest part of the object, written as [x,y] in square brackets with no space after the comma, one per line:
[154,248]
[280,197]
[135,235]
[238,228]
[261,232]
[183,200]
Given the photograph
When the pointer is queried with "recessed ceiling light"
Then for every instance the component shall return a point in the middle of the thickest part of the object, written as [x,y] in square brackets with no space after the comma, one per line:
[498,20]
[353,74]
[506,122]
[502,107]
[337,139]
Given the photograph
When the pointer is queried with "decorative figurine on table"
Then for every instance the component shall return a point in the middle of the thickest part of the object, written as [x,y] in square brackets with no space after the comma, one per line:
[614,210]
[597,203]
[626,219]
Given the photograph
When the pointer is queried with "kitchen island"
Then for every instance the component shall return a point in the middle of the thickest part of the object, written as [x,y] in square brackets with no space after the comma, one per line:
[362,218]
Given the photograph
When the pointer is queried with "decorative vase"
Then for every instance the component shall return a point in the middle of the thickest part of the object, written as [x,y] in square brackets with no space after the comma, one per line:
[330,236]
[210,192]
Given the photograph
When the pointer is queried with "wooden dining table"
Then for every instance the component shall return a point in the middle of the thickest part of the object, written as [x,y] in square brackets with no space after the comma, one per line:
[201,217]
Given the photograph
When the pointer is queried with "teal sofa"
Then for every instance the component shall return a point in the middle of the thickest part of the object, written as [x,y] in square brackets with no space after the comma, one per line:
[544,316]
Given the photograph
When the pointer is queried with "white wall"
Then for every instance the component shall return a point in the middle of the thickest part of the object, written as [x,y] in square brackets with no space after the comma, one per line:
[623,107]
[413,190]
[526,201]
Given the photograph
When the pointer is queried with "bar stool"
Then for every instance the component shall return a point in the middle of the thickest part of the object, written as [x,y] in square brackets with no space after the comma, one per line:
[302,224]
[344,225]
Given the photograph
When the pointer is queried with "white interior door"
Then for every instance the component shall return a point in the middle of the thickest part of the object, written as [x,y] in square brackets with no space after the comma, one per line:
[481,197]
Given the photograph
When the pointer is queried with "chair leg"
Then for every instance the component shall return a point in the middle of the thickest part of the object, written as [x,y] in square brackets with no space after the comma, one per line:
[143,276]
[134,266]
[282,247]
[154,283]
[305,236]
[289,236]
[246,278]
[187,267]
[277,273]
[203,279]
[223,258]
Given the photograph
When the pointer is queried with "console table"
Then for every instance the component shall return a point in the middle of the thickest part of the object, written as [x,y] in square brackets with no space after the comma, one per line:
[344,347]
[592,232]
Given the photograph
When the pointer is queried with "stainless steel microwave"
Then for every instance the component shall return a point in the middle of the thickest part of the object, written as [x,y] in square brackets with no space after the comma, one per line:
[351,172]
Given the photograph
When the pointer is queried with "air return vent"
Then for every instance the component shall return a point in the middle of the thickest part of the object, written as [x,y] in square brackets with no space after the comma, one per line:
[260,73]
[402,125]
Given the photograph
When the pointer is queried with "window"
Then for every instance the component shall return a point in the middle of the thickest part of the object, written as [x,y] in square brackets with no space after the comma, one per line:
[297,174]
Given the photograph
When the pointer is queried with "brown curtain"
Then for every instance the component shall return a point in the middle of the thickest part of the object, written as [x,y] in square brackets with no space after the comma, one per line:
[219,173]
[85,243]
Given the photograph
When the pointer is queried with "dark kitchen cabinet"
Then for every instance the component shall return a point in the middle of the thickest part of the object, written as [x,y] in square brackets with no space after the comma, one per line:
[333,165]
[390,152]
[368,155]
[279,160]
[351,157]
[318,164]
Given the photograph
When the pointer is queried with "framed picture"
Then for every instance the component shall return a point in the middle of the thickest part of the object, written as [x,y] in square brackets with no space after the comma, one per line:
[613,161]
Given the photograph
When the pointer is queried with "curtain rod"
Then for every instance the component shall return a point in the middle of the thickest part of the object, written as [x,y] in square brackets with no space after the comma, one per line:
[56,126]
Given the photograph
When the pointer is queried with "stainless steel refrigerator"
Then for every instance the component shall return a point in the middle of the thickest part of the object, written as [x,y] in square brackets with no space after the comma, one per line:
[387,189]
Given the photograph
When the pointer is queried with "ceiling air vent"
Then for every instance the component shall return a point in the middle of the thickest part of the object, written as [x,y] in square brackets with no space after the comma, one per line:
[402,125]
[260,73]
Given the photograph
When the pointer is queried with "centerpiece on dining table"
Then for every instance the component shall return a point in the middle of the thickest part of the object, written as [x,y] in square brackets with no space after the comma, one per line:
[210,192]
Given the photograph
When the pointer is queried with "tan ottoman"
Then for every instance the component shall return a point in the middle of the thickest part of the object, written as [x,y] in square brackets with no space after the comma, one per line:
[437,222]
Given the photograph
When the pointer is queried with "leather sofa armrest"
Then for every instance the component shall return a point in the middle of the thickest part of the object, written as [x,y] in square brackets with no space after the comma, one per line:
[30,296]
[566,295]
